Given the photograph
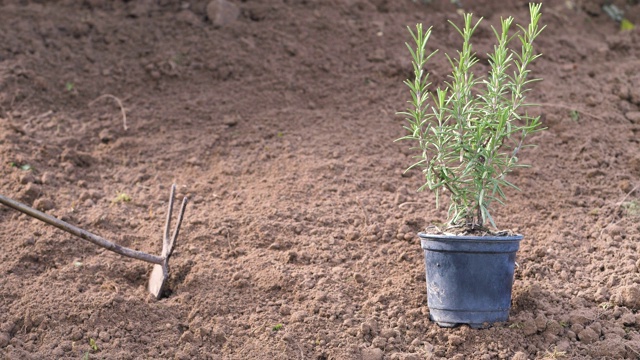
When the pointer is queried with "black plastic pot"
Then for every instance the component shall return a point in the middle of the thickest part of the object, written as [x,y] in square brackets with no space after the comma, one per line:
[469,278]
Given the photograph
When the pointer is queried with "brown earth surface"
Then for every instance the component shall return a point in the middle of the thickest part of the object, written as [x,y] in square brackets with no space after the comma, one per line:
[277,118]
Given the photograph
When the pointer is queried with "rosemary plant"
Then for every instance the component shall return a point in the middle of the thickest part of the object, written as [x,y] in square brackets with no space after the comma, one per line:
[469,133]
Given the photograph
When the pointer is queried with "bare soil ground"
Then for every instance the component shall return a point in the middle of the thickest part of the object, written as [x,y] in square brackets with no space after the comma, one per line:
[277,118]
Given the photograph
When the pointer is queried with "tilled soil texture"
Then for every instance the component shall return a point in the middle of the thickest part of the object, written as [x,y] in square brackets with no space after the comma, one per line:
[277,118]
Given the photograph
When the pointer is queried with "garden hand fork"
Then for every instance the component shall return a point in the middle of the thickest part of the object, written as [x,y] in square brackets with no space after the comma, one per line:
[160,273]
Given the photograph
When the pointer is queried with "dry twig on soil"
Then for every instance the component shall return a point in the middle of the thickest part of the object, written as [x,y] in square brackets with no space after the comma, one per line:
[122,110]
[619,204]
[633,350]
[626,196]
[409,203]
[364,211]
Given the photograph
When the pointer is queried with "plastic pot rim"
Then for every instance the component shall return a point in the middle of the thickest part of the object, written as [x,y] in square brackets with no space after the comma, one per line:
[466,238]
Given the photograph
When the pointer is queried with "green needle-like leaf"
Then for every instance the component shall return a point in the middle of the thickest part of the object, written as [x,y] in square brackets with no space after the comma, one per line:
[470,131]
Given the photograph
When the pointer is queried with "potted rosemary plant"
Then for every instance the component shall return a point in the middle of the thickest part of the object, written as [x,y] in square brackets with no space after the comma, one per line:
[468,135]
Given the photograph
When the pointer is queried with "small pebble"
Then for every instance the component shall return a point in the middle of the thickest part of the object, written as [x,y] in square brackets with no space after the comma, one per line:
[27,178]
[285,310]
[365,328]
[389,333]
[529,327]
[588,336]
[628,319]
[48,178]
[372,354]
[43,204]
[4,339]
[633,116]
[76,335]
[321,296]
[222,12]
[455,340]
[186,337]
[379,342]
[105,136]
[30,192]
[352,235]
[388,187]
[298,316]
[628,296]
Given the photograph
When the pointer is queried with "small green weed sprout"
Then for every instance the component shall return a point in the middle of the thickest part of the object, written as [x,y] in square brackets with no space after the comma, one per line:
[575,115]
[606,305]
[468,134]
[23,167]
[94,348]
[121,197]
[564,324]
[93,344]
[632,208]
[277,327]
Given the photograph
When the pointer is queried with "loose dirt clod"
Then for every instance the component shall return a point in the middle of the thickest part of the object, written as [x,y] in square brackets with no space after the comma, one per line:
[222,12]
[628,296]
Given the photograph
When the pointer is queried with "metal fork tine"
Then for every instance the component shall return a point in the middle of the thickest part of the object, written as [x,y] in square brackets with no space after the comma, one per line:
[160,273]
[167,227]
[177,230]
